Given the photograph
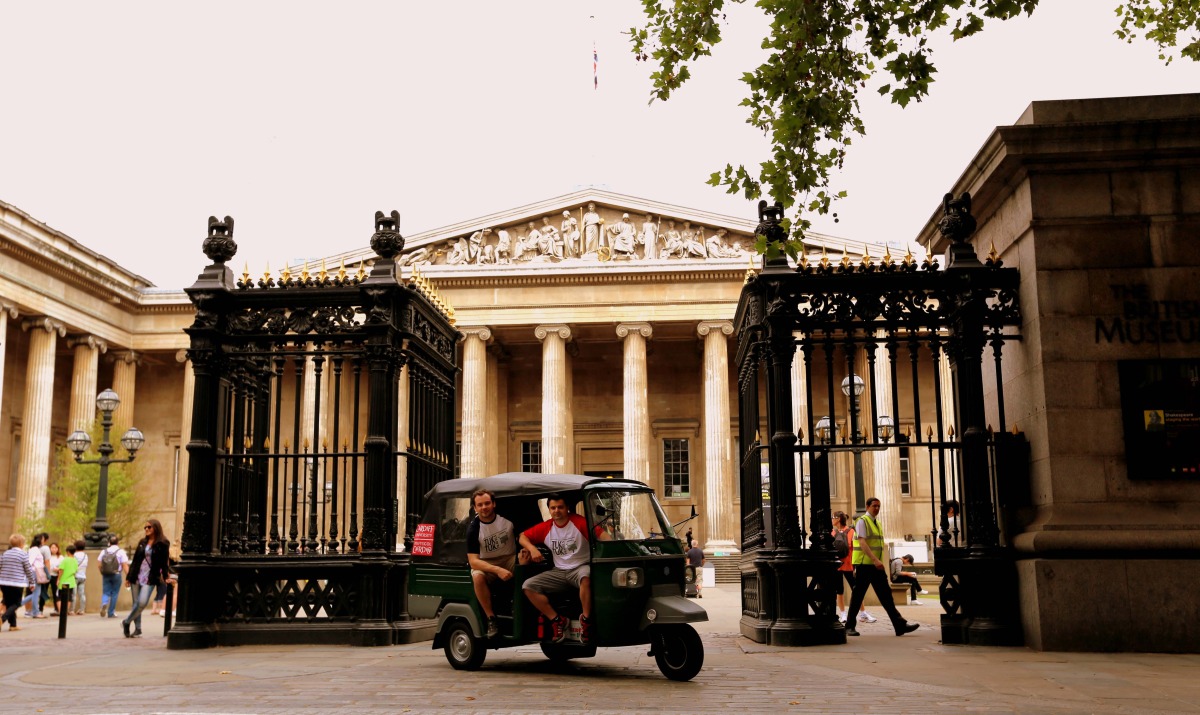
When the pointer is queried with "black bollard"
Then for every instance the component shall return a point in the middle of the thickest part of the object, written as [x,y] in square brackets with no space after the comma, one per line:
[64,604]
[169,604]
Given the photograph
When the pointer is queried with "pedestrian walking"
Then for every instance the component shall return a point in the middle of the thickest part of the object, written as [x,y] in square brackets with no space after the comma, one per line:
[79,605]
[67,568]
[146,571]
[114,564]
[16,575]
[37,588]
[52,565]
[870,571]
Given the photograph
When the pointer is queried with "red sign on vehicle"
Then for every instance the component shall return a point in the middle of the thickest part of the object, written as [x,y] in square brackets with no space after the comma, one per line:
[423,540]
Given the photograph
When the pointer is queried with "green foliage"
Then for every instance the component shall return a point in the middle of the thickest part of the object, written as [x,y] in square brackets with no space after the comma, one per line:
[822,53]
[75,489]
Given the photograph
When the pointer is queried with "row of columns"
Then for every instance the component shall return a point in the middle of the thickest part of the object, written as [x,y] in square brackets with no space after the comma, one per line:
[33,470]
[478,394]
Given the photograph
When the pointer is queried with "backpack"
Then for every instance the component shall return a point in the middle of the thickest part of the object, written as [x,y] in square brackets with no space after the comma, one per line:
[840,545]
[109,564]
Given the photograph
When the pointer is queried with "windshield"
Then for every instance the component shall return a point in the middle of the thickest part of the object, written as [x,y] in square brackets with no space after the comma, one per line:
[627,515]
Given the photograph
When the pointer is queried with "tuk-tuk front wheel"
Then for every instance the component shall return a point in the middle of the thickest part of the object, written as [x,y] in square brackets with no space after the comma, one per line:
[463,649]
[678,651]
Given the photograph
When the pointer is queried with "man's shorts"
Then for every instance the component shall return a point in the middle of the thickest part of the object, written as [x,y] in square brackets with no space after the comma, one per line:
[504,562]
[556,580]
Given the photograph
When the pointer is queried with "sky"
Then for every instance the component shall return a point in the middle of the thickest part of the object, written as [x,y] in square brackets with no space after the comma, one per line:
[125,125]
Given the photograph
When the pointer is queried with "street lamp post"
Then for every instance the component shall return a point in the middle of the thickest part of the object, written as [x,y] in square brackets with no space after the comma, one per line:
[133,439]
[852,387]
[826,433]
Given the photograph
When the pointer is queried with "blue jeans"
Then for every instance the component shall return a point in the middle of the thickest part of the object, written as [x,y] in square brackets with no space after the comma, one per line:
[141,598]
[35,597]
[112,589]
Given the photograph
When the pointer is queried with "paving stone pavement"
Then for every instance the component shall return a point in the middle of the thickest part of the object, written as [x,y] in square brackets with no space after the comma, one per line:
[95,670]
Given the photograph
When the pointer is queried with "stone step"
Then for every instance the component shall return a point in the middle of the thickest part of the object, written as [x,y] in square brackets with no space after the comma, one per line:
[725,567]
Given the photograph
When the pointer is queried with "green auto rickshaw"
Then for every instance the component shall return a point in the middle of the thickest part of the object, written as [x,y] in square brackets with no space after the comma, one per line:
[637,573]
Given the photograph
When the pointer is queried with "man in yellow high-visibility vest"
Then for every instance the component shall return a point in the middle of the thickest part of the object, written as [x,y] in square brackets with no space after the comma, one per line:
[870,571]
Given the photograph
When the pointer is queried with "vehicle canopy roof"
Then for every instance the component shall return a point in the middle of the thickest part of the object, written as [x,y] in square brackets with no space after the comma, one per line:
[524,484]
[448,511]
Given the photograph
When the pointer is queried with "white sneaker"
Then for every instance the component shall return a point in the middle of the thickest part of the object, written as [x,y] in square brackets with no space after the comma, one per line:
[841,615]
[923,592]
[915,602]
[866,617]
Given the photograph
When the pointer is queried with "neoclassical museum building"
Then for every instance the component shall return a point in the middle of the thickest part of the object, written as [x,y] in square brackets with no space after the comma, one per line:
[596,335]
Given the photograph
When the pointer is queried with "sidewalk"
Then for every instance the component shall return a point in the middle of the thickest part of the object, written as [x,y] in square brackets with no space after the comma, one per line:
[96,670]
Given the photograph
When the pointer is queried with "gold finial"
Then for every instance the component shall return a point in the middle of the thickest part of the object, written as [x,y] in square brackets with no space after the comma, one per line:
[757,437]
[324,444]
[345,445]
[246,442]
[929,433]
[341,274]
[845,256]
[285,276]
[266,279]
[908,256]
[950,431]
[866,259]
[908,431]
[307,444]
[324,274]
[304,275]
[824,257]
[887,255]
[246,273]
[287,444]
[451,315]
[229,444]
[267,444]
[361,275]
[800,434]
[1014,429]
[749,270]
[992,255]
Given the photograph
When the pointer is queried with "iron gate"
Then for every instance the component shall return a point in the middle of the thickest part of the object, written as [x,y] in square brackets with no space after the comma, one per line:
[299,462]
[912,338]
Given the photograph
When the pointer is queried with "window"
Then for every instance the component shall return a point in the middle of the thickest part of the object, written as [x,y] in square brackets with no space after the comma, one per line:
[531,456]
[676,468]
[905,474]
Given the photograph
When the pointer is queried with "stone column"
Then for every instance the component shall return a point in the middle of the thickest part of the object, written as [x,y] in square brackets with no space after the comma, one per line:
[636,401]
[125,385]
[308,415]
[474,402]
[185,431]
[799,420]
[401,443]
[722,526]
[497,422]
[887,462]
[556,399]
[34,470]
[83,381]
[7,310]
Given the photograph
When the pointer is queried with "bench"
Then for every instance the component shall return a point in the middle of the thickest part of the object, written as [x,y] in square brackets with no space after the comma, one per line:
[899,595]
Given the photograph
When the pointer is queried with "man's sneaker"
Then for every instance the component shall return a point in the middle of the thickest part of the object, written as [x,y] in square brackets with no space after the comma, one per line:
[915,602]
[558,629]
[841,615]
[585,629]
[907,628]
[923,592]
[493,628]
[851,632]
[865,617]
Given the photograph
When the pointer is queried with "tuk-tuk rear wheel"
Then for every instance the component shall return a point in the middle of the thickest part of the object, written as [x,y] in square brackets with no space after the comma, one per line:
[678,651]
[463,649]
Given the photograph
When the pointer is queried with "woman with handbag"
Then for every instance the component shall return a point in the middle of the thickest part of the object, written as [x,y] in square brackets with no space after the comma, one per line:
[37,559]
[146,571]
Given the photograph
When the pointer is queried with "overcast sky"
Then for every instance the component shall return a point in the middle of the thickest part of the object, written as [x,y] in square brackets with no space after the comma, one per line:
[126,125]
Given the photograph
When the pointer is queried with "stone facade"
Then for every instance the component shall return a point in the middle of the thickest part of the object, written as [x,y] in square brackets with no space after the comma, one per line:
[1098,203]
[599,360]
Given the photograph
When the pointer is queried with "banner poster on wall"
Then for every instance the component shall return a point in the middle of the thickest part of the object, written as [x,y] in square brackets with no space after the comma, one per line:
[1160,409]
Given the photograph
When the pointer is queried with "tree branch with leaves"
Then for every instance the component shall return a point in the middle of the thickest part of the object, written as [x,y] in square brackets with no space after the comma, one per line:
[821,55]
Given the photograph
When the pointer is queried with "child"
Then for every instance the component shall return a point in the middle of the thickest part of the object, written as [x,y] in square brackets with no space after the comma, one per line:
[67,569]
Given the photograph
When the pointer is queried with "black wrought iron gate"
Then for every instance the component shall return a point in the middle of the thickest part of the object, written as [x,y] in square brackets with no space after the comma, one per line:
[905,342]
[298,466]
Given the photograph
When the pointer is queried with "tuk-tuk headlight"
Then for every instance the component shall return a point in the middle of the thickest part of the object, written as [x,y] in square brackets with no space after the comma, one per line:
[628,578]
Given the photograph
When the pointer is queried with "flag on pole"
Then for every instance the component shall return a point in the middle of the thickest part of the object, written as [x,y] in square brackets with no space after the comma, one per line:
[595,75]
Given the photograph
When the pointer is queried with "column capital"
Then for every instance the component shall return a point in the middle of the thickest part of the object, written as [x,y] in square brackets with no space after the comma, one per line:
[90,341]
[707,326]
[624,330]
[129,357]
[50,325]
[10,308]
[563,331]
[482,332]
[181,356]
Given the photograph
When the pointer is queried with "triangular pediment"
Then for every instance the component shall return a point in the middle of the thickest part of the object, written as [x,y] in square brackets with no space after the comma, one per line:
[590,227]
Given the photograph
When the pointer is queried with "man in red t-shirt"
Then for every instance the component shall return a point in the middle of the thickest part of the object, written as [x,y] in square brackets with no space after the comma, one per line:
[565,534]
